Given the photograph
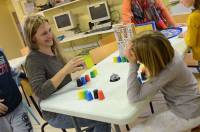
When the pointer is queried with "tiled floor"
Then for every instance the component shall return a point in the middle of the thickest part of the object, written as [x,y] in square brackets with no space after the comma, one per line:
[37,128]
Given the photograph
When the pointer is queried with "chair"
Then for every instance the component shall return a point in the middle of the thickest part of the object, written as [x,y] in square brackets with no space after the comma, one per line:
[107,39]
[28,91]
[100,53]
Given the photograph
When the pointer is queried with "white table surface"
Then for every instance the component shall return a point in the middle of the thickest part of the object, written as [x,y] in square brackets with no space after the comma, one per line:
[17,62]
[115,108]
[179,43]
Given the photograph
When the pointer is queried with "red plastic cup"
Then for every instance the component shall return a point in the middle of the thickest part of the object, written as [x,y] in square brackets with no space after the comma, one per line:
[101,95]
[87,78]
[161,24]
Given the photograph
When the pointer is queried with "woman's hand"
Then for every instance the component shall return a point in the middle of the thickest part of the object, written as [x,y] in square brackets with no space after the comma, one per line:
[3,108]
[75,64]
[129,54]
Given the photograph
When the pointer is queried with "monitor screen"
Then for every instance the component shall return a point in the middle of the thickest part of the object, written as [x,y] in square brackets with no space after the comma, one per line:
[63,21]
[99,12]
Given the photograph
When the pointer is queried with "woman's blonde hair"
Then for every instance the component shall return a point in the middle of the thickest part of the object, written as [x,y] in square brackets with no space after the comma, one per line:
[31,25]
[154,50]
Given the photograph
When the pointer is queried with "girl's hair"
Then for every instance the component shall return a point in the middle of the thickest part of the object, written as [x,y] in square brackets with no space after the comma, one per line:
[196,4]
[31,26]
[153,50]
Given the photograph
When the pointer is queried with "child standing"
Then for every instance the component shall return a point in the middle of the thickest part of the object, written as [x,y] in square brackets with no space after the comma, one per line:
[168,74]
[142,11]
[192,36]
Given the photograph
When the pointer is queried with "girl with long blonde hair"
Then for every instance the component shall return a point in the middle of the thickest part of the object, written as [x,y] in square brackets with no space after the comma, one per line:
[167,73]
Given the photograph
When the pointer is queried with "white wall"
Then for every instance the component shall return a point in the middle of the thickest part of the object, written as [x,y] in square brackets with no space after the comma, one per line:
[179,9]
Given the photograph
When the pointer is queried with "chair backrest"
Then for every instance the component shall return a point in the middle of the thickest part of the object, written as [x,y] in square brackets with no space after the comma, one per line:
[27,87]
[100,53]
[107,39]
[28,91]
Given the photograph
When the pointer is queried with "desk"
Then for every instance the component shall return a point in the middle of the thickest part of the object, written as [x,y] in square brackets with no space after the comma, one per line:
[83,35]
[115,108]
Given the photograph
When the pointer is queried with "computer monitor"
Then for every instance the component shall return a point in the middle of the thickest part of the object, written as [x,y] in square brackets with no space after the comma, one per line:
[98,12]
[65,21]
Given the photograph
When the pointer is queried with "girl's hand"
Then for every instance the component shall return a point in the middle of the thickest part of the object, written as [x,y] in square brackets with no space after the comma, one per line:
[144,69]
[129,54]
[3,108]
[75,64]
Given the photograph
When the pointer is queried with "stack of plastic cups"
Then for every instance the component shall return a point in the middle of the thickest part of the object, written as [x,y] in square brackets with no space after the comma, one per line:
[101,95]
[123,59]
[95,72]
[115,59]
[87,78]
[81,95]
[126,59]
[83,80]
[89,96]
[92,74]
[95,92]
[85,93]
[79,83]
[119,59]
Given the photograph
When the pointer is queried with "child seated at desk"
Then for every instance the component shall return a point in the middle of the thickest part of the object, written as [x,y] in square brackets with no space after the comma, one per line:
[167,73]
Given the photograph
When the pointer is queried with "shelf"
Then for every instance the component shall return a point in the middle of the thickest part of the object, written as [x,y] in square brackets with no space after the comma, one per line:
[58,6]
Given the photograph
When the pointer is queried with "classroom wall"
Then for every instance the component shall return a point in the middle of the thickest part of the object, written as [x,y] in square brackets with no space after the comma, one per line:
[17,6]
[179,9]
[10,39]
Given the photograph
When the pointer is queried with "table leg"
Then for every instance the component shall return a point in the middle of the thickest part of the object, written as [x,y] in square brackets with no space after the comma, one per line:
[127,127]
[25,96]
[151,106]
[117,128]
[75,123]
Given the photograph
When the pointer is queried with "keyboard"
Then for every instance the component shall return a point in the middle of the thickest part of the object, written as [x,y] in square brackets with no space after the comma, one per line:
[98,30]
